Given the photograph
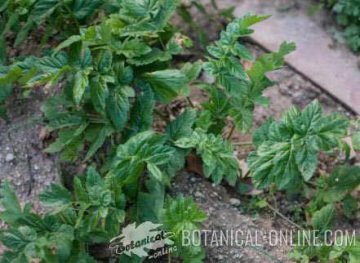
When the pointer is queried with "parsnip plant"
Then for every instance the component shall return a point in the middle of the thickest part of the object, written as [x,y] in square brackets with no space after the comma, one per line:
[113,75]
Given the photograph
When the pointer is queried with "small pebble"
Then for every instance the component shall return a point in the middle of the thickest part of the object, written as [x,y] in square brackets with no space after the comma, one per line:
[36,167]
[9,157]
[234,201]
[193,179]
[199,195]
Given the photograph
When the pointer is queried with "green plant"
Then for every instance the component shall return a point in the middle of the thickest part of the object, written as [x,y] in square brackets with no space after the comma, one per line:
[216,16]
[335,188]
[356,136]
[287,151]
[60,19]
[113,75]
[348,15]
[63,18]
[76,222]
[236,91]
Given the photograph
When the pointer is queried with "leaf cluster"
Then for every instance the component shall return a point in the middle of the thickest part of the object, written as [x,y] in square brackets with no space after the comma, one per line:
[287,150]
[348,15]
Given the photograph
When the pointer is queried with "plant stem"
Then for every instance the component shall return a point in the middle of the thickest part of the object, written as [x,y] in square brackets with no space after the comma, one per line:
[284,217]
[190,102]
[231,132]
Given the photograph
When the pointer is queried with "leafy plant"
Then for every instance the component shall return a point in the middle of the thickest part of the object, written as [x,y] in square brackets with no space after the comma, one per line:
[348,15]
[218,158]
[61,17]
[211,13]
[182,214]
[336,188]
[287,151]
[356,136]
[236,91]
[111,76]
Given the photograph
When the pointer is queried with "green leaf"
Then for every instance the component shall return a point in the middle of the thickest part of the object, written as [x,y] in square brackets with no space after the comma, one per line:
[217,154]
[57,197]
[267,63]
[68,42]
[151,57]
[323,219]
[141,116]
[65,138]
[166,84]
[19,238]
[12,210]
[93,178]
[132,48]
[182,125]
[99,94]
[142,149]
[150,204]
[83,9]
[155,172]
[356,137]
[104,132]
[192,70]
[183,214]
[343,180]
[350,206]
[81,81]
[287,150]
[118,106]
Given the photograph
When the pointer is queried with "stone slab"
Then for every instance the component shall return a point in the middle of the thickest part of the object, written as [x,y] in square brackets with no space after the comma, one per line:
[333,69]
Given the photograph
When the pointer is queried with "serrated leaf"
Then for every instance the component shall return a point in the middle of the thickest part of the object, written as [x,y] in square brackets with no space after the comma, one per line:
[217,154]
[10,203]
[99,141]
[118,106]
[323,219]
[341,181]
[132,48]
[166,84]
[289,150]
[99,94]
[192,70]
[83,9]
[182,125]
[141,116]
[56,197]
[65,137]
[140,150]
[81,82]
[183,214]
